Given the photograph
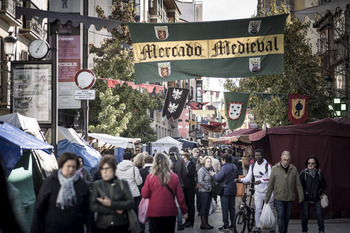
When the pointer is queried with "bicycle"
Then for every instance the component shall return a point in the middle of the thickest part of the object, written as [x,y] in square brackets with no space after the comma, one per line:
[246,214]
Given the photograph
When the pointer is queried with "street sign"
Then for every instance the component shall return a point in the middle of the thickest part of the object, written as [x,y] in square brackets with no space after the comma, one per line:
[84,94]
[85,79]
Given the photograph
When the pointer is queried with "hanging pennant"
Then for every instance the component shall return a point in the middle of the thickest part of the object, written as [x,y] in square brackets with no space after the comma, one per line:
[183,123]
[174,102]
[236,106]
[298,108]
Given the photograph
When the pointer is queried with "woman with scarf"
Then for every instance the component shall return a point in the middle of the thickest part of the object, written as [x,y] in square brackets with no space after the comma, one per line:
[112,200]
[62,204]
[313,182]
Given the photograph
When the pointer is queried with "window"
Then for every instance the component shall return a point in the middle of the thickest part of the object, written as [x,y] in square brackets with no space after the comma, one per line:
[199,86]
[339,74]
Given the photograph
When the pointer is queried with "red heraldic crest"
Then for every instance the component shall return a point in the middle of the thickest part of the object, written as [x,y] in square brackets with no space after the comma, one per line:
[298,108]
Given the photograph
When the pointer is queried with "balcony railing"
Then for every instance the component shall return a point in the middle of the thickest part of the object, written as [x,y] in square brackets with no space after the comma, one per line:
[34,24]
[9,5]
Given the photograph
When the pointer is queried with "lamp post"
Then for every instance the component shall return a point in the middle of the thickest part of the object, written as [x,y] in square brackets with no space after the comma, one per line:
[10,44]
[9,50]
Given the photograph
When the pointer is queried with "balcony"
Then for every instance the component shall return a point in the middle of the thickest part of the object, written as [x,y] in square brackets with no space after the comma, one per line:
[7,12]
[31,29]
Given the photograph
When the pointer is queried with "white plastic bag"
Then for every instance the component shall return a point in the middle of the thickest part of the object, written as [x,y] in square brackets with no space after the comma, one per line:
[267,218]
[212,208]
[324,201]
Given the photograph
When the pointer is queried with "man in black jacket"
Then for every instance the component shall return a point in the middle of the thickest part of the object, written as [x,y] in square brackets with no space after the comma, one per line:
[189,188]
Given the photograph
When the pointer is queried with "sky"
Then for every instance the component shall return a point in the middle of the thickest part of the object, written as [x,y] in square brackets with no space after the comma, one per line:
[214,10]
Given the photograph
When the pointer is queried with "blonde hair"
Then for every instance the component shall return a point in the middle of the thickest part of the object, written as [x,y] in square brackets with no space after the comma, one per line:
[161,167]
[138,160]
[205,158]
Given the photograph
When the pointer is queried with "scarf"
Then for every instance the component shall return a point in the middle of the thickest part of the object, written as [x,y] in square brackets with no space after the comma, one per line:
[312,172]
[66,195]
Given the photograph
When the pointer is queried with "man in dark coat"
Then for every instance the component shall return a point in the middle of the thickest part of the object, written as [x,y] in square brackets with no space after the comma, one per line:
[189,188]
[227,174]
[178,164]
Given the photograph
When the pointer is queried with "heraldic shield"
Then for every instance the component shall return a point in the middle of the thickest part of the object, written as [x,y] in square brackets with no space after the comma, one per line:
[164,69]
[162,32]
[234,110]
[298,108]
[254,27]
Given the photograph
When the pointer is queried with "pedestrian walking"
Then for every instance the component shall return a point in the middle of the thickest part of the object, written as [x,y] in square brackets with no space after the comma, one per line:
[111,199]
[259,174]
[162,186]
[205,188]
[314,184]
[284,179]
[84,173]
[128,171]
[227,174]
[62,204]
[189,189]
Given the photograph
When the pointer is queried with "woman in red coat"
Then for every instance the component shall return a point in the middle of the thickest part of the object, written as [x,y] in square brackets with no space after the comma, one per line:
[162,187]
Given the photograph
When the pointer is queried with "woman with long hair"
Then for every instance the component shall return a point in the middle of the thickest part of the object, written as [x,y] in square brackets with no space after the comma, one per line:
[162,186]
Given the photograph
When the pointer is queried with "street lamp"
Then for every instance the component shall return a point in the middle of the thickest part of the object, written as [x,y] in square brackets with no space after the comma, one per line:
[10,44]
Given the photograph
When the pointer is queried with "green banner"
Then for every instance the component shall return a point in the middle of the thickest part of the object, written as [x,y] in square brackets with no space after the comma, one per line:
[233,48]
[235,108]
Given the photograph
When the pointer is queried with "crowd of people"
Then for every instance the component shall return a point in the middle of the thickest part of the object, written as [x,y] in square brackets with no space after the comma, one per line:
[179,186]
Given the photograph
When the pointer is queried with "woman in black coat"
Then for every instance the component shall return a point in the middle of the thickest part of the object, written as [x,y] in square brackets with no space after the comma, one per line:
[313,182]
[62,204]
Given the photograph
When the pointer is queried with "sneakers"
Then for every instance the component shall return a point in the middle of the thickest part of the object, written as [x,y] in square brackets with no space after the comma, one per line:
[224,228]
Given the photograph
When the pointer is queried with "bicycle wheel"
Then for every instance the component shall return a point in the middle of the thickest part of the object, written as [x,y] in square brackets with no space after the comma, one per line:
[240,222]
[251,220]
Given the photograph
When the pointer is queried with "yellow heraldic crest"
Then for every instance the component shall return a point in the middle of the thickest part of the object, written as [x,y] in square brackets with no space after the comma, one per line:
[254,27]
[298,108]
[162,32]
[164,69]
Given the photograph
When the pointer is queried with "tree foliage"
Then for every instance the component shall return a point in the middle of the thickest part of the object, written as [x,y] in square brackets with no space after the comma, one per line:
[302,76]
[114,60]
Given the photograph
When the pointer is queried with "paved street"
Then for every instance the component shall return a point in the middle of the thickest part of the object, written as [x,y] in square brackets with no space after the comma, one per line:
[331,225]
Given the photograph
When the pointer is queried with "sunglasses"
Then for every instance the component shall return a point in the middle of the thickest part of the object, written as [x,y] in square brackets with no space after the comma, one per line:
[311,163]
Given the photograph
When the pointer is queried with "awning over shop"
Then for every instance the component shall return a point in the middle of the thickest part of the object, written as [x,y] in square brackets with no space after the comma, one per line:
[13,141]
[115,141]
[76,19]
[236,136]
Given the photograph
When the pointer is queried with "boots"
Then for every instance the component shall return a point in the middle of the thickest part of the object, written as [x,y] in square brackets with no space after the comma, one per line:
[207,221]
[204,223]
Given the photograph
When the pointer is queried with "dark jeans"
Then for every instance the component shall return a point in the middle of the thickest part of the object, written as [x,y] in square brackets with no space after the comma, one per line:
[283,209]
[189,199]
[163,224]
[306,213]
[228,205]
[198,201]
[205,200]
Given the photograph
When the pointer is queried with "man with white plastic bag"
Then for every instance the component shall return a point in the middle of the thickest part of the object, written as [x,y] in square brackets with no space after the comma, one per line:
[267,218]
[259,173]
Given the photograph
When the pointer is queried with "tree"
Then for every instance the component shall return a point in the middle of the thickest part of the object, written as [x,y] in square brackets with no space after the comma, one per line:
[111,120]
[302,76]
[114,60]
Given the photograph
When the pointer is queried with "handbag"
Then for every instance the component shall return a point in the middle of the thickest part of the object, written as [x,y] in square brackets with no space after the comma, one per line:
[134,226]
[143,210]
[324,201]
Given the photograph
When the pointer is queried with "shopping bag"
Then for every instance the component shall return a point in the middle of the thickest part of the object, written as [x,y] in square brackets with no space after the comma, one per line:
[143,210]
[324,201]
[267,218]
[212,208]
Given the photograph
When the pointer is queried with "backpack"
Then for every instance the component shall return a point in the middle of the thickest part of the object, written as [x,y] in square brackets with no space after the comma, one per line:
[266,168]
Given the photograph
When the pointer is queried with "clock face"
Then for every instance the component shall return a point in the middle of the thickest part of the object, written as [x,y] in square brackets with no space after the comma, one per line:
[38,49]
